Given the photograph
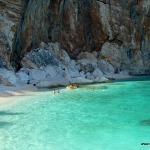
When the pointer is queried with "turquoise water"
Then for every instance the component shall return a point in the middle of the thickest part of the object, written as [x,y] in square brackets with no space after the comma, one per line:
[110,116]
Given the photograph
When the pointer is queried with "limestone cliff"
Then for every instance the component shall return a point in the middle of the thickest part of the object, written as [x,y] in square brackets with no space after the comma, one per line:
[119,30]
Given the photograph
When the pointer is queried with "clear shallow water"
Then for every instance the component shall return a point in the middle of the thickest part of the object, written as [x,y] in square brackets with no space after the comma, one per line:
[113,116]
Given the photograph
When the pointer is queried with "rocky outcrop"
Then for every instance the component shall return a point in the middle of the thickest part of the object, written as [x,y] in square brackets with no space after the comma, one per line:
[131,61]
[10,17]
[115,33]
[106,67]
[50,65]
[85,25]
[50,61]
[8,77]
[111,53]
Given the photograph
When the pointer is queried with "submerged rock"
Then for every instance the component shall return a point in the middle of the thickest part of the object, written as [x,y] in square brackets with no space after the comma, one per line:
[72,86]
[145,122]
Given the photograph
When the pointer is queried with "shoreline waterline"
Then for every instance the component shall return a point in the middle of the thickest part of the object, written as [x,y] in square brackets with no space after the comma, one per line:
[8,94]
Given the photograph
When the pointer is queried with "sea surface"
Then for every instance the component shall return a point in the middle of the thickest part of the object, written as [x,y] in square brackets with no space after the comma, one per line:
[106,116]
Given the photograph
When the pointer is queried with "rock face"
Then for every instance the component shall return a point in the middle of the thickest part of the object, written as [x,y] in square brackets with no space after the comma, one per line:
[8,77]
[112,54]
[10,18]
[51,61]
[117,32]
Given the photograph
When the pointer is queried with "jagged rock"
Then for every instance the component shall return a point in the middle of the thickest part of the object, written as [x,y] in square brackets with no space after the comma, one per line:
[72,72]
[137,65]
[1,63]
[39,57]
[82,74]
[87,62]
[10,15]
[124,72]
[97,73]
[4,50]
[52,60]
[89,76]
[70,68]
[8,77]
[95,54]
[51,71]
[37,74]
[56,51]
[72,86]
[26,62]
[111,53]
[88,24]
[105,66]
[87,56]
[22,76]
[85,66]
[5,81]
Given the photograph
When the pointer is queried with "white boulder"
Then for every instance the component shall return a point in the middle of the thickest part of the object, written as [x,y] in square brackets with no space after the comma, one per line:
[97,73]
[37,74]
[87,58]
[111,53]
[105,66]
[9,76]
[22,76]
